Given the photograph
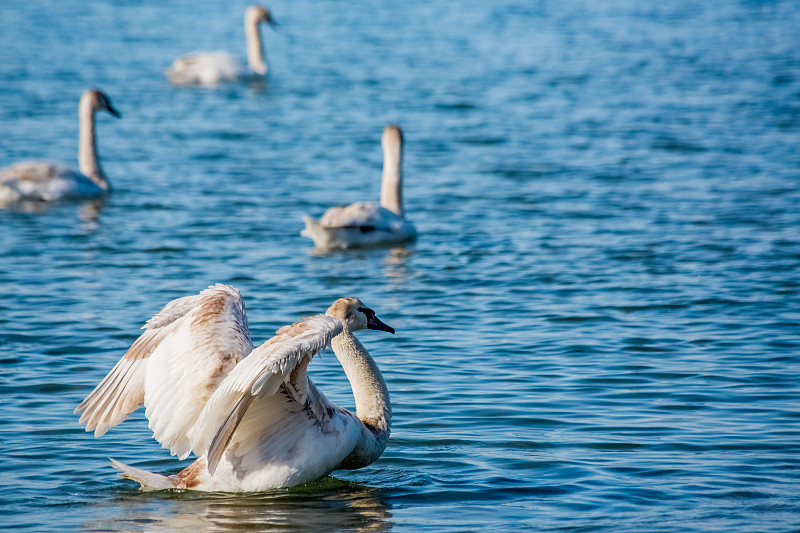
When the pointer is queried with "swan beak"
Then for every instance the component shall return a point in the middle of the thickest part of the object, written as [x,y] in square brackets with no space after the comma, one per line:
[267,17]
[374,322]
[113,111]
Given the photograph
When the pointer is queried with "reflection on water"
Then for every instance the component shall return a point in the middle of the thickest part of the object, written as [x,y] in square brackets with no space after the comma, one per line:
[395,262]
[88,210]
[327,505]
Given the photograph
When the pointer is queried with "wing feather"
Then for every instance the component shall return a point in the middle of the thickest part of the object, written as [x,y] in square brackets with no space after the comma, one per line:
[95,415]
[261,375]
[225,432]
[114,403]
[186,350]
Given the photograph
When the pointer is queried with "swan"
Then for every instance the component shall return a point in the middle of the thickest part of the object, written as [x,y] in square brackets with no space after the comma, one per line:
[39,181]
[366,223]
[251,415]
[211,68]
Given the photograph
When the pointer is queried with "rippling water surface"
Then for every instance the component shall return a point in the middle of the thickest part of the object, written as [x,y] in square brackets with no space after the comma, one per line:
[597,328]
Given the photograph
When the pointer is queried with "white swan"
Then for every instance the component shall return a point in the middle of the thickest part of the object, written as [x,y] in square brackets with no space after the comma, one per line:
[251,415]
[366,223]
[212,68]
[38,181]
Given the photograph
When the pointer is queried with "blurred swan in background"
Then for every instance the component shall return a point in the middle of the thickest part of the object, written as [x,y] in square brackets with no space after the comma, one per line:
[40,181]
[251,415]
[367,223]
[211,68]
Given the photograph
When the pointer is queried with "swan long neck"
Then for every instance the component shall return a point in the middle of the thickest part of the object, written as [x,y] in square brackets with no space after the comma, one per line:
[88,160]
[255,49]
[392,181]
[369,389]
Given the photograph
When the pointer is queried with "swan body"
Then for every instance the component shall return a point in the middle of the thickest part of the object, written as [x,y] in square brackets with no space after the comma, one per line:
[366,223]
[250,414]
[41,181]
[212,68]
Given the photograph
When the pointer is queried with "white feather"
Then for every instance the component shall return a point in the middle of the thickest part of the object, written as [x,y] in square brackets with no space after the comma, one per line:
[262,373]
[174,367]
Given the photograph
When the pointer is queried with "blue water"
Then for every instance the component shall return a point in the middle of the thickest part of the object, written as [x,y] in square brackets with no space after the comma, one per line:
[598,328]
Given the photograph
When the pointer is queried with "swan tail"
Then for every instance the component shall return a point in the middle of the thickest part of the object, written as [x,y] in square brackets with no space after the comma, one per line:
[147,480]
[312,226]
[316,232]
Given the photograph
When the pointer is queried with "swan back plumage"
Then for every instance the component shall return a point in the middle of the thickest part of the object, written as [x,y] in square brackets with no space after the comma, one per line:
[46,182]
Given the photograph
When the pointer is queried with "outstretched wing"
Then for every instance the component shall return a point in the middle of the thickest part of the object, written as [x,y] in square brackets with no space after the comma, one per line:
[174,367]
[271,381]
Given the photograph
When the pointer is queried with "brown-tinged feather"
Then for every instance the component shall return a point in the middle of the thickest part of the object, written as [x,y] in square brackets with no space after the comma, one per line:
[192,475]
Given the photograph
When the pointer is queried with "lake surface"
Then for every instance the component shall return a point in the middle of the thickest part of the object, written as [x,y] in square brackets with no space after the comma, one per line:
[598,328]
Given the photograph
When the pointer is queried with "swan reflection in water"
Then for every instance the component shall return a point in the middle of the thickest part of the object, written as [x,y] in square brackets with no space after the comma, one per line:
[88,212]
[325,505]
[396,263]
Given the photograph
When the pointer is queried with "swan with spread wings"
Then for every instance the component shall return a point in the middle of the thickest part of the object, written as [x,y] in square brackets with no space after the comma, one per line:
[250,414]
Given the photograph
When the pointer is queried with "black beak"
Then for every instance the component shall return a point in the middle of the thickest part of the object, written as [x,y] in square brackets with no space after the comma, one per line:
[374,322]
[113,111]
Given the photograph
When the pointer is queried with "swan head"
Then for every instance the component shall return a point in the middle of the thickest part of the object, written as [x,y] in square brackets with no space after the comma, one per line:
[354,315]
[256,13]
[98,101]
[392,138]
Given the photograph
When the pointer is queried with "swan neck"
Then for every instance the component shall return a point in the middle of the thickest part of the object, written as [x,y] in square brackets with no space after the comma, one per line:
[392,181]
[369,389]
[255,49]
[88,160]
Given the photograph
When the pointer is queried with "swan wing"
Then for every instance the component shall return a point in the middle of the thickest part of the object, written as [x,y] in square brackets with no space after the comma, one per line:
[273,382]
[187,349]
